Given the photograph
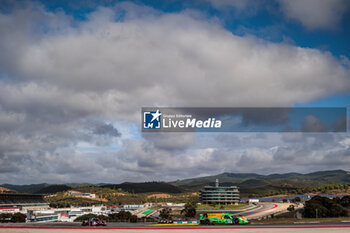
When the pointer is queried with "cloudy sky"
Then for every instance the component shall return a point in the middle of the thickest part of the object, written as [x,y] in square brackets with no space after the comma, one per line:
[75,74]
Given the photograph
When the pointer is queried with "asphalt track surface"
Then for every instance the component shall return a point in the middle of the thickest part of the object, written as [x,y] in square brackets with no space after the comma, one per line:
[262,210]
[340,227]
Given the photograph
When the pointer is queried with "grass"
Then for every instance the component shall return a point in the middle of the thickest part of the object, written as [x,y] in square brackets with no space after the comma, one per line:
[148,211]
[222,207]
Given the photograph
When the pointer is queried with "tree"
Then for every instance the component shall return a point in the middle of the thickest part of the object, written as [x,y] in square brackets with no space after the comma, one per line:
[113,217]
[313,210]
[345,201]
[123,215]
[103,217]
[337,200]
[5,217]
[133,218]
[18,217]
[190,209]
[165,213]
[323,207]
[291,208]
[337,210]
[346,186]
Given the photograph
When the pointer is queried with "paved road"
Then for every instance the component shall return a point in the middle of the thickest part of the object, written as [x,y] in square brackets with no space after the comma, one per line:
[63,225]
[316,230]
[117,227]
[265,209]
[308,228]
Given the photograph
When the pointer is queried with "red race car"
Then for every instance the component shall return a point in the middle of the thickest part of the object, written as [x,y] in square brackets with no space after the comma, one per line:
[94,222]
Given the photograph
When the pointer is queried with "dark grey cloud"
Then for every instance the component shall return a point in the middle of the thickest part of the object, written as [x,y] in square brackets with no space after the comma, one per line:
[313,124]
[106,129]
[340,124]
[9,163]
[266,116]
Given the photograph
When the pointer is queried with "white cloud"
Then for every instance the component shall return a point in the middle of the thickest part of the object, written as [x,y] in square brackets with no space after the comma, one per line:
[62,82]
[170,59]
[315,14]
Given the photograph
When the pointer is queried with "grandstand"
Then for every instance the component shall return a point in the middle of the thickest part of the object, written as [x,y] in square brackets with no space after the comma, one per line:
[9,201]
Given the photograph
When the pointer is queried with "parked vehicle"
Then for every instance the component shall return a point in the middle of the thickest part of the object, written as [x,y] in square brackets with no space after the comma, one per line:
[222,218]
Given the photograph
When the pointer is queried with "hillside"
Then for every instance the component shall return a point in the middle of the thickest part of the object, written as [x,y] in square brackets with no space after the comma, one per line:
[103,195]
[53,189]
[146,187]
[30,188]
[113,197]
[251,183]
[6,190]
[43,188]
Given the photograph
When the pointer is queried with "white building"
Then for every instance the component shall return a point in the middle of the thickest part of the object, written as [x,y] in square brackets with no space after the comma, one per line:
[86,195]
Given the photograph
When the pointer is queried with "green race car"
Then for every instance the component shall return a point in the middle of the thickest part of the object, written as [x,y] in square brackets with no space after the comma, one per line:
[222,218]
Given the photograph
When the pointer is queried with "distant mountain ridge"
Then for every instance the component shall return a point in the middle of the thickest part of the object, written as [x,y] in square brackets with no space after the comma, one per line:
[42,188]
[54,189]
[255,183]
[248,183]
[29,188]
[146,187]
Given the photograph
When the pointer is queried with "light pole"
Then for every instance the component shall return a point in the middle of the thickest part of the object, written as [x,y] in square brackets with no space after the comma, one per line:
[316,212]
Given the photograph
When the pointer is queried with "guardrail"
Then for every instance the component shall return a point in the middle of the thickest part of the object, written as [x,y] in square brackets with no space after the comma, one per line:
[230,211]
[186,222]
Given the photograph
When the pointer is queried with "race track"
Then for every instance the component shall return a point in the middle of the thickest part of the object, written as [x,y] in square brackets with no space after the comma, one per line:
[340,227]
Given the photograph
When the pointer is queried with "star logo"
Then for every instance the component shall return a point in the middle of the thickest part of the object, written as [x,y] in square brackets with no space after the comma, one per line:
[152,120]
[156,115]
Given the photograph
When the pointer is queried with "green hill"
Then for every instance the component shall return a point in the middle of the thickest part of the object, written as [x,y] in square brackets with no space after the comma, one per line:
[30,188]
[53,189]
[146,187]
[251,183]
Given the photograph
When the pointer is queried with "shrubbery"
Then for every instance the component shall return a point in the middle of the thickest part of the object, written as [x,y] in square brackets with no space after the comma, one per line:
[345,201]
[190,209]
[122,216]
[16,217]
[165,213]
[324,207]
